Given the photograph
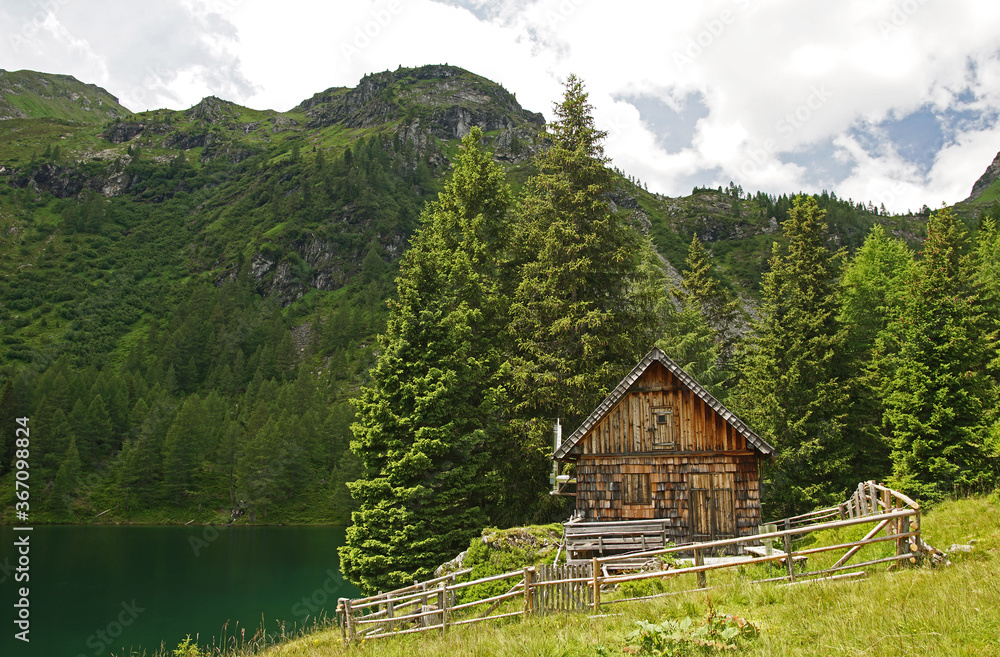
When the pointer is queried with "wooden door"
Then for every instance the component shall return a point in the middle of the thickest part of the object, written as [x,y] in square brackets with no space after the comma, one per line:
[713,512]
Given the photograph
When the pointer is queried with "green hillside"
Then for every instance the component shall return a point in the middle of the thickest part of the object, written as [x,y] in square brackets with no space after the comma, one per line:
[224,256]
[31,95]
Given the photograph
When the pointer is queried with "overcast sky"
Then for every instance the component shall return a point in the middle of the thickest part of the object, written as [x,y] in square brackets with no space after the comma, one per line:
[893,101]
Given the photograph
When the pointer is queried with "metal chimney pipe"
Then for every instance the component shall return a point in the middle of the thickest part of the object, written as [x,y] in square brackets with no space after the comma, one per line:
[556,441]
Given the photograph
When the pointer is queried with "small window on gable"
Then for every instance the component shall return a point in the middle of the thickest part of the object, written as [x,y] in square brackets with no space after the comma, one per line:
[636,488]
[664,427]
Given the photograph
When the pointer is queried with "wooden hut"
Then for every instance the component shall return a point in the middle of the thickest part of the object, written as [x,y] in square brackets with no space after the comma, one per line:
[661,447]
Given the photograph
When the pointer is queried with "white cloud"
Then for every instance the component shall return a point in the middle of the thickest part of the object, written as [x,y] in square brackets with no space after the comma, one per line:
[777,77]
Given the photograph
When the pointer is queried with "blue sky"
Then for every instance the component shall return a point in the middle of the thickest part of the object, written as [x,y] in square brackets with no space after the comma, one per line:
[890,101]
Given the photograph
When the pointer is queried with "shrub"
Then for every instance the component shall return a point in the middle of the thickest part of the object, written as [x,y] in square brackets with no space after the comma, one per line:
[717,632]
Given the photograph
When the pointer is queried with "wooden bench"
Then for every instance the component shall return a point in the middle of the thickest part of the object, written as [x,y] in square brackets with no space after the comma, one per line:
[587,539]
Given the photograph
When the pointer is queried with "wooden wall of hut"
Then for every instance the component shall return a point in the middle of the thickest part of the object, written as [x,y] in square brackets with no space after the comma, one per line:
[699,471]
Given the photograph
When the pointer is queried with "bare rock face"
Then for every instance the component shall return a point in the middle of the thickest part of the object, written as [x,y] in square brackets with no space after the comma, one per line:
[121,131]
[991,175]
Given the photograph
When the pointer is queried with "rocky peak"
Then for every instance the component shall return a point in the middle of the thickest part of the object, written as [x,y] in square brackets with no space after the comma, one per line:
[448,100]
[211,109]
[991,175]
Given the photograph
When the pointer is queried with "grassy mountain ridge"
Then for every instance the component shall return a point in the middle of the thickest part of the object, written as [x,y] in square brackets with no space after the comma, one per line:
[31,95]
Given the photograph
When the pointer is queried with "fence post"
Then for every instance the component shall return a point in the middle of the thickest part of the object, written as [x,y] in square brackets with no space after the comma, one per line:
[903,543]
[349,615]
[788,557]
[542,603]
[343,619]
[597,586]
[528,608]
[699,560]
[443,596]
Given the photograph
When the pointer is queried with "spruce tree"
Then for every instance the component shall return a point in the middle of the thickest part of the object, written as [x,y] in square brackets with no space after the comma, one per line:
[935,365]
[424,422]
[578,323]
[870,294]
[987,280]
[789,393]
[66,479]
[700,335]
[691,343]
[140,459]
[701,287]
[180,451]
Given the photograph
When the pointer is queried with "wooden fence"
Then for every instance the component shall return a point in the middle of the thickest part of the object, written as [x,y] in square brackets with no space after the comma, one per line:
[434,604]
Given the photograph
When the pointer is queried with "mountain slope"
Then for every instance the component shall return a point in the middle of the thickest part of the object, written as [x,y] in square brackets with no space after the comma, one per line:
[310,199]
[31,95]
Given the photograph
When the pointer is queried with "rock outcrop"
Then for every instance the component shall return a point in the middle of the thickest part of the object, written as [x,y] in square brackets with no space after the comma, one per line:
[447,99]
[991,175]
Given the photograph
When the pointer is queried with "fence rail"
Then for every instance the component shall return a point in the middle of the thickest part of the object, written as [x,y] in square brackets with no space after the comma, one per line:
[434,605]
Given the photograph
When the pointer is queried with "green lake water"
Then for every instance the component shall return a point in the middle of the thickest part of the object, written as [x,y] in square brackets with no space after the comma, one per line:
[99,591]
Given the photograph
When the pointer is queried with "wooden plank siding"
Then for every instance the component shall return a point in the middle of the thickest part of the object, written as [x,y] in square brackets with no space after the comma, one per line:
[707,454]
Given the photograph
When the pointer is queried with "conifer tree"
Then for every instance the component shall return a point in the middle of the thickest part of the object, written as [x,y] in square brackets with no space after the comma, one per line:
[987,279]
[789,393]
[870,295]
[64,485]
[577,322]
[180,450]
[700,335]
[7,418]
[424,421]
[703,288]
[139,473]
[935,366]
[691,343]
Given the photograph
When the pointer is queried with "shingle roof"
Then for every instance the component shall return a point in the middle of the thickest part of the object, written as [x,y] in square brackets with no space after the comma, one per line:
[656,355]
